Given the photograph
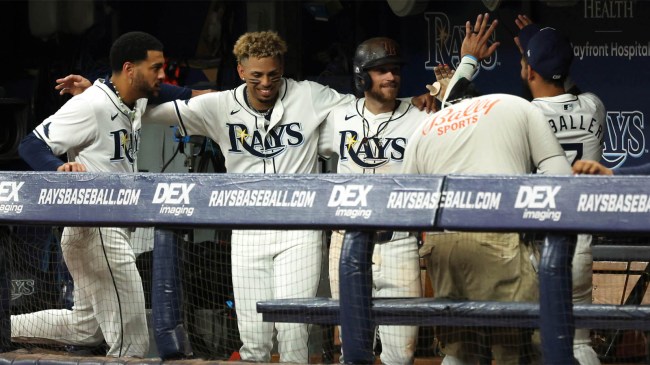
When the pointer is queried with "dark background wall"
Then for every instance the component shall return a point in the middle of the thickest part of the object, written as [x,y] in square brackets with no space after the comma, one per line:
[611,44]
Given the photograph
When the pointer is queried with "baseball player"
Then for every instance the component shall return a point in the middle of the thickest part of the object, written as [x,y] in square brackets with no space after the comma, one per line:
[370,135]
[269,124]
[578,122]
[492,134]
[100,132]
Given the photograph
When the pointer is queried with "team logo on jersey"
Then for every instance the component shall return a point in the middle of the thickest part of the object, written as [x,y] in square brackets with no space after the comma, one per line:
[624,137]
[46,129]
[277,139]
[538,202]
[126,145]
[444,41]
[370,153]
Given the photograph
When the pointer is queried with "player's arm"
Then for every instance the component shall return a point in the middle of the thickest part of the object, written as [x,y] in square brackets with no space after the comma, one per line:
[40,157]
[192,116]
[76,84]
[588,167]
[71,127]
[475,48]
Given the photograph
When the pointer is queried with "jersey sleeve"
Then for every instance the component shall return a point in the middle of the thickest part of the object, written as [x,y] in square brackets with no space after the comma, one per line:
[189,115]
[72,127]
[327,136]
[325,99]
[544,145]
[170,93]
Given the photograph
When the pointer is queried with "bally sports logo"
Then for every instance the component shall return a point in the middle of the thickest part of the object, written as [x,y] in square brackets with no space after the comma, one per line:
[9,196]
[174,197]
[350,200]
[538,202]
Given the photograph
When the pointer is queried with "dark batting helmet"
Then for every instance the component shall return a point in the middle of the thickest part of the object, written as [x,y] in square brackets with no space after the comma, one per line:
[371,53]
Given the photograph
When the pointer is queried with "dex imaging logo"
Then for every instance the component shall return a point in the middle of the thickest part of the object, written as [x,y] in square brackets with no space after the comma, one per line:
[174,197]
[9,197]
[538,202]
[350,200]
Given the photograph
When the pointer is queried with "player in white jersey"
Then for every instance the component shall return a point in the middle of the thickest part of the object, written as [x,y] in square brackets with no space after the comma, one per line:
[270,124]
[100,132]
[370,135]
[578,122]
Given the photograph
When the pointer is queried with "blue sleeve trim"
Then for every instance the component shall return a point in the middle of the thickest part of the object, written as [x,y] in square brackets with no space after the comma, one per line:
[38,154]
[471,57]
[170,93]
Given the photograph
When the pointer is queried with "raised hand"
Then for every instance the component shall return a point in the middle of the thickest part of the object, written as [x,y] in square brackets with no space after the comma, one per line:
[72,84]
[477,36]
[443,76]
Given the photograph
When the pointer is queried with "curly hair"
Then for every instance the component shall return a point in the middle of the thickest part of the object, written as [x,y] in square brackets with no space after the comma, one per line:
[259,45]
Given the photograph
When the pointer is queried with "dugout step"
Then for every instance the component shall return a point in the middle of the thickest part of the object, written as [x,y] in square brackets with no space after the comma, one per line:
[435,312]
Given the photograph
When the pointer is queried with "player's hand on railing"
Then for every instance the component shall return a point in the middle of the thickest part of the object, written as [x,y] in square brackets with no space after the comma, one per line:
[72,84]
[587,167]
[72,167]
[477,37]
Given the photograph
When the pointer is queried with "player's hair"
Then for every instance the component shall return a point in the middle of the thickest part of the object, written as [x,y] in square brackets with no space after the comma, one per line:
[132,47]
[259,45]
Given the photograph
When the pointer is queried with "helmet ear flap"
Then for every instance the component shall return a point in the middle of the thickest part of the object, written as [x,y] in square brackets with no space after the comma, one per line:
[367,81]
[362,82]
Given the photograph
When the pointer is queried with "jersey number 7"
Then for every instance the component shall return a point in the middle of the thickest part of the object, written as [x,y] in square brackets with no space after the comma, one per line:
[571,148]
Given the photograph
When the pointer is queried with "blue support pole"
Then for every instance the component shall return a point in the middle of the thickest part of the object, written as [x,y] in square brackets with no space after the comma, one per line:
[556,306]
[170,335]
[355,287]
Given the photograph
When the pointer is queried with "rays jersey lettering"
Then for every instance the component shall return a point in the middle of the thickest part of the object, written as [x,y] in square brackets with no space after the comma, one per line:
[370,153]
[445,39]
[125,145]
[277,140]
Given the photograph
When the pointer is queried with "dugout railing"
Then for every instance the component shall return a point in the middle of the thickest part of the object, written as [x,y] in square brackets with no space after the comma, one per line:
[556,206]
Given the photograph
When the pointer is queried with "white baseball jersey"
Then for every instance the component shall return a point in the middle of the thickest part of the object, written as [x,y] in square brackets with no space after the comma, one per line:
[94,128]
[491,134]
[369,143]
[288,145]
[578,123]
[97,130]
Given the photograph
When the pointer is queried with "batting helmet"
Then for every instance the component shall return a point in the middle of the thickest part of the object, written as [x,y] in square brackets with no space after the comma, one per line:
[371,53]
